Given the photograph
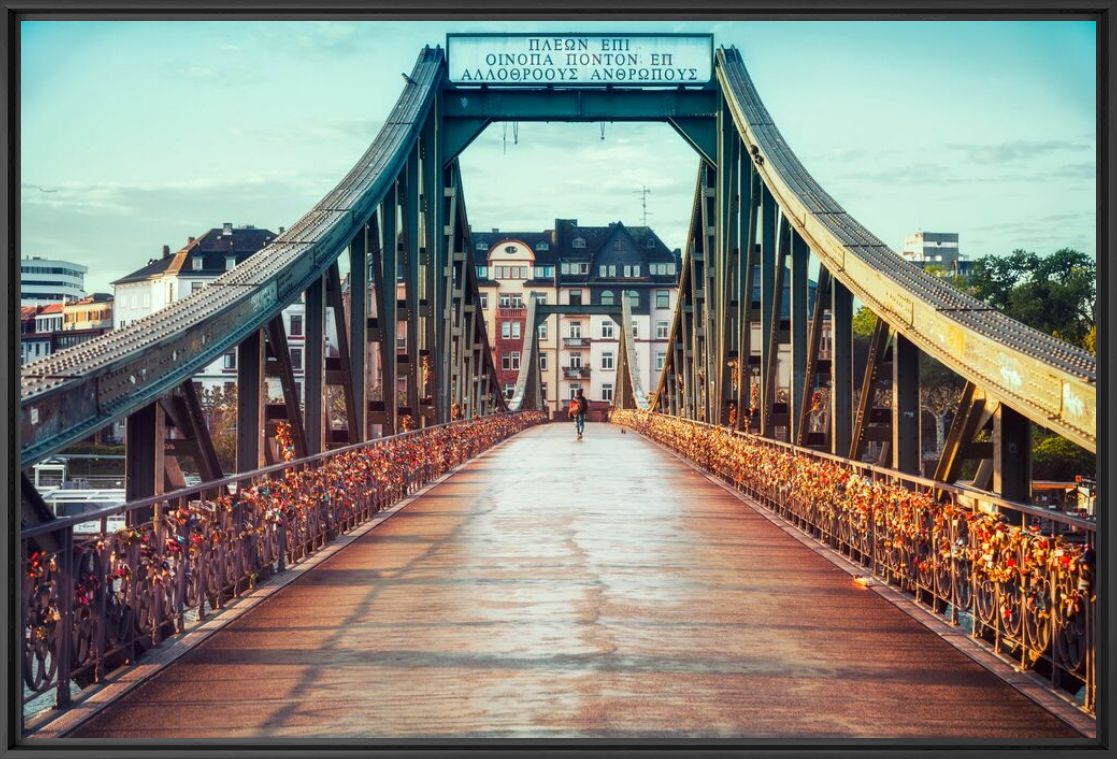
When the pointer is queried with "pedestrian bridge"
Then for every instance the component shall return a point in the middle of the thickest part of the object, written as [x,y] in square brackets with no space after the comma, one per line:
[560,588]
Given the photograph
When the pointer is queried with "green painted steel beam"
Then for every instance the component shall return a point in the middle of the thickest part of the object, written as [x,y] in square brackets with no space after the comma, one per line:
[579,105]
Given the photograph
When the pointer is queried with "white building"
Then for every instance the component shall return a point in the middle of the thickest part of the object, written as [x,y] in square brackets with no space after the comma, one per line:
[43,281]
[938,248]
[178,275]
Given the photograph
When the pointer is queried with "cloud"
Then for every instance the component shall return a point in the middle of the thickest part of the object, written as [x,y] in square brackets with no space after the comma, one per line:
[1016,150]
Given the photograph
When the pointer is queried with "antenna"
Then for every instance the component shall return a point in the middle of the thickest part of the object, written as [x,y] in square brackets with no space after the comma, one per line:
[643,193]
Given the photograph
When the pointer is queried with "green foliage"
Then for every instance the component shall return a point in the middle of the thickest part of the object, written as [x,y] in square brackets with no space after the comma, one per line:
[1056,458]
[1056,294]
[863,323]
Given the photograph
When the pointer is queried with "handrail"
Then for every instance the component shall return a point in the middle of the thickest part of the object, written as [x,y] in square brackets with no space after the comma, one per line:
[964,491]
[67,522]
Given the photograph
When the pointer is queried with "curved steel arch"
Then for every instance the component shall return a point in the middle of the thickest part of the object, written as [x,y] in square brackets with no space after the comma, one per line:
[1049,381]
[71,394]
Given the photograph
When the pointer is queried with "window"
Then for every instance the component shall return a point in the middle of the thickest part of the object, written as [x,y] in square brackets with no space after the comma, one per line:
[575,360]
[509,249]
[601,270]
[297,359]
[662,299]
[633,298]
[543,361]
[575,297]
[296,325]
[575,329]
[505,300]
[618,244]
[541,299]
[584,268]
[517,300]
[578,243]
[484,300]
[650,243]
[607,298]
[515,329]
[509,391]
[564,268]
[482,272]
[660,359]
[481,246]
[661,329]
[671,268]
[542,246]
[506,360]
[197,263]
[196,286]
[230,360]
[574,388]
[543,390]
[636,329]
[230,262]
[607,360]
[515,359]
[607,329]
[506,330]
[607,391]
[544,272]
[543,331]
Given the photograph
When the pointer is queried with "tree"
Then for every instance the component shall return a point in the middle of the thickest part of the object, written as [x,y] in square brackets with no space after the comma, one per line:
[1056,294]
[220,409]
[1056,458]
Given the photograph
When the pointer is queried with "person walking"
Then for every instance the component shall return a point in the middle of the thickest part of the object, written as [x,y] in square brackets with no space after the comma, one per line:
[579,407]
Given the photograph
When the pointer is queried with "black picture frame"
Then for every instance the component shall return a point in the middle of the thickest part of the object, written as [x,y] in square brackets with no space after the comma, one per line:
[1103,11]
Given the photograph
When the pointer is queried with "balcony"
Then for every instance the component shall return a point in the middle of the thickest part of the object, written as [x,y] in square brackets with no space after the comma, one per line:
[576,372]
[575,342]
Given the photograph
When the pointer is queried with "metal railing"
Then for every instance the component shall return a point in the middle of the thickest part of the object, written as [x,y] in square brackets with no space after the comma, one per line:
[1018,576]
[103,598]
[576,372]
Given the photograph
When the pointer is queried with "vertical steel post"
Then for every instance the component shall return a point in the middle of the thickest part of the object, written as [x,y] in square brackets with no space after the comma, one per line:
[250,403]
[143,458]
[388,319]
[906,439]
[358,328]
[841,368]
[434,261]
[768,213]
[314,368]
[1012,454]
[771,364]
[410,259]
[800,260]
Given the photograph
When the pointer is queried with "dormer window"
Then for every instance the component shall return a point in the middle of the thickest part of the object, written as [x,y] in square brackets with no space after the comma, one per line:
[650,243]
[542,246]
[230,262]
[197,263]
[579,242]
[481,246]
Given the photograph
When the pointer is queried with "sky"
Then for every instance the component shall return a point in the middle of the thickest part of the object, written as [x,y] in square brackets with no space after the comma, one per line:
[138,134]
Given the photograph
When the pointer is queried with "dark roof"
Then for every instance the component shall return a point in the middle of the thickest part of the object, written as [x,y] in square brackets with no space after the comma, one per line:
[560,245]
[212,247]
[92,298]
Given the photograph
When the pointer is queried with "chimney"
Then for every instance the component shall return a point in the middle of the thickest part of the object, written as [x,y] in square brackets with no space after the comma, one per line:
[189,239]
[282,230]
[495,230]
[227,228]
[166,251]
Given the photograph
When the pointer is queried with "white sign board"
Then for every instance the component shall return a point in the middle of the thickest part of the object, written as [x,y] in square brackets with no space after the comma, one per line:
[539,60]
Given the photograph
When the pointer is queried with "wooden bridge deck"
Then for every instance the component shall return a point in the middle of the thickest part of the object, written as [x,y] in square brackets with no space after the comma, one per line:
[557,588]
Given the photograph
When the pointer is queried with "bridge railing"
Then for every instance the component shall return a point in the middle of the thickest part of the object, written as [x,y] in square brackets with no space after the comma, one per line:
[107,596]
[1016,575]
